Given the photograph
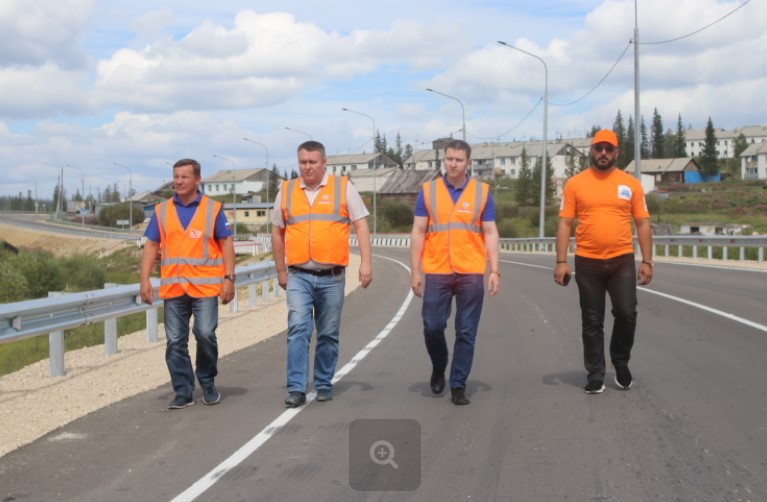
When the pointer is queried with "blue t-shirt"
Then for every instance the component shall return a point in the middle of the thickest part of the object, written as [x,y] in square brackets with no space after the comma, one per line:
[488,214]
[185,214]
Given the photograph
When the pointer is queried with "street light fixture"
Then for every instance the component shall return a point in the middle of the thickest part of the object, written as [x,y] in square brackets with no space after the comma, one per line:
[463,118]
[375,168]
[300,132]
[234,197]
[267,180]
[542,216]
[130,193]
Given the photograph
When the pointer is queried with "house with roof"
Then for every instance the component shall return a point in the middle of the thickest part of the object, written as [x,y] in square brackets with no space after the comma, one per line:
[403,185]
[753,162]
[695,140]
[682,170]
[239,181]
[347,164]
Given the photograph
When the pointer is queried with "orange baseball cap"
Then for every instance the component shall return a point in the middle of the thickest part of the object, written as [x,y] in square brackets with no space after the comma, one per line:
[605,136]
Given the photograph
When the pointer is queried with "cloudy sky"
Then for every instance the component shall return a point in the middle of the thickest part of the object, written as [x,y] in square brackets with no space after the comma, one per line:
[86,84]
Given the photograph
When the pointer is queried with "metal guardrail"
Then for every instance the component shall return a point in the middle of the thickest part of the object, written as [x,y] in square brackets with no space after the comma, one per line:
[53,315]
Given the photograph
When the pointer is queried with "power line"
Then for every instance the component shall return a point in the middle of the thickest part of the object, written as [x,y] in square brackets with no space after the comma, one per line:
[698,30]
[515,126]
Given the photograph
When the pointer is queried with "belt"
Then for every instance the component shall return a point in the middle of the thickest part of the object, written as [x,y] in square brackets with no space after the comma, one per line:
[328,271]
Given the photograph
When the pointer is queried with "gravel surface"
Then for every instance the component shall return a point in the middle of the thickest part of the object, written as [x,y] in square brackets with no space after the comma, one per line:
[34,404]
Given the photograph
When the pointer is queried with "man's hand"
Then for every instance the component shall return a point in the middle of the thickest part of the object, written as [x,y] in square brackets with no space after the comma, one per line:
[227,292]
[416,284]
[366,274]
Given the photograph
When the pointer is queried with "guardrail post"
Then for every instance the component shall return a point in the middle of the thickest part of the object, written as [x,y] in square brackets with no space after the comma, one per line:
[233,304]
[252,295]
[110,330]
[56,347]
[265,291]
[151,325]
[277,288]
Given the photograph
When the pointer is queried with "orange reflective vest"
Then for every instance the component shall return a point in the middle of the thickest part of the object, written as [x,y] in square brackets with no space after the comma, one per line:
[454,239]
[192,262]
[317,232]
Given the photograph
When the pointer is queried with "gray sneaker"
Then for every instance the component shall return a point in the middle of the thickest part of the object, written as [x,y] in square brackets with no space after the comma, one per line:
[210,395]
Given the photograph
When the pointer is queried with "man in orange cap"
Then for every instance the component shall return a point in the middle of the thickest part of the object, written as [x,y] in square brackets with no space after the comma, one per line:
[605,199]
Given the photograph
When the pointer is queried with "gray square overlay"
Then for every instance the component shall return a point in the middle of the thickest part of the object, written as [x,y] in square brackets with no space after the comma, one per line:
[385,455]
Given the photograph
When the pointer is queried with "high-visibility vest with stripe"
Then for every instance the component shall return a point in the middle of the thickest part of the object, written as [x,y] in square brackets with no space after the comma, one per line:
[192,262]
[317,232]
[454,239]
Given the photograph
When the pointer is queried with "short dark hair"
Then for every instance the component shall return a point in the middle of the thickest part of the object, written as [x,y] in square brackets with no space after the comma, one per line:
[312,146]
[189,162]
[457,144]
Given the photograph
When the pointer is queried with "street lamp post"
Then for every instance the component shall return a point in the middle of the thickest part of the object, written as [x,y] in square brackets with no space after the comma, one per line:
[637,125]
[234,197]
[130,193]
[59,204]
[299,132]
[542,216]
[375,168]
[267,180]
[82,193]
[463,118]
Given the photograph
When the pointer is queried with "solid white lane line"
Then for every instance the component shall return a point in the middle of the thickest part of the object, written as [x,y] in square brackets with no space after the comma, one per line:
[201,485]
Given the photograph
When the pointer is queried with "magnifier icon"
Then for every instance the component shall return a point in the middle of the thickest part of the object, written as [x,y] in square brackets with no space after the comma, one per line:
[382,453]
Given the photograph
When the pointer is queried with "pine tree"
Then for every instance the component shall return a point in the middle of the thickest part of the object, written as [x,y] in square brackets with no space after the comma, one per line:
[628,146]
[645,146]
[679,140]
[524,181]
[656,134]
[620,132]
[274,182]
[709,165]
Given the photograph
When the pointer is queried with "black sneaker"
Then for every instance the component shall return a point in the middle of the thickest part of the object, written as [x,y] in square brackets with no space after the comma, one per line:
[324,395]
[295,399]
[180,402]
[623,377]
[210,395]
[594,387]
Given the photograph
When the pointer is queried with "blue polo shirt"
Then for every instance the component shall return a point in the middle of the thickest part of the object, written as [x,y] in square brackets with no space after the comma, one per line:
[185,214]
[488,214]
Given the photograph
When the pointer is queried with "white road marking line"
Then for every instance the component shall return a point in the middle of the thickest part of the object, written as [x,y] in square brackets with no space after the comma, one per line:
[201,485]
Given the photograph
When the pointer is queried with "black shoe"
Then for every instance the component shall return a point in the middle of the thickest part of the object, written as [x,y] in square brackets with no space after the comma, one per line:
[623,377]
[295,399]
[324,395]
[594,387]
[180,402]
[458,397]
[437,381]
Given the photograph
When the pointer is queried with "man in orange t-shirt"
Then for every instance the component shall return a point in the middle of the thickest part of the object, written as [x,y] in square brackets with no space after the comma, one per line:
[605,199]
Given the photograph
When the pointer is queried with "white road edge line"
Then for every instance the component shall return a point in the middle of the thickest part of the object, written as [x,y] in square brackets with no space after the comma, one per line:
[732,317]
[201,485]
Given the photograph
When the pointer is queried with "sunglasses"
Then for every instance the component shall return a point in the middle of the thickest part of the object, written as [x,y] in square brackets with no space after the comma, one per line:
[603,148]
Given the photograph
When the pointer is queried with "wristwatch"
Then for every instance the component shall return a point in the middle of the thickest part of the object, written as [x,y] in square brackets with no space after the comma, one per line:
[231,277]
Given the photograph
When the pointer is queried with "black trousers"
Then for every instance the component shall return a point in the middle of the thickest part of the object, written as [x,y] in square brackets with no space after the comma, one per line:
[596,278]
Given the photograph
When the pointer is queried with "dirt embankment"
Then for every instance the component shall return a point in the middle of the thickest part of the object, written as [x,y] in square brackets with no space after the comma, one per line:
[59,244]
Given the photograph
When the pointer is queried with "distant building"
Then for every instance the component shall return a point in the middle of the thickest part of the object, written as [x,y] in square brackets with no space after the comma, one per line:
[753,162]
[239,181]
[684,170]
[349,164]
[695,140]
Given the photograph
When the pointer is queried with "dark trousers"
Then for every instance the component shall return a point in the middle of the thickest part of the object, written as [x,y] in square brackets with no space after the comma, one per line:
[616,277]
[469,293]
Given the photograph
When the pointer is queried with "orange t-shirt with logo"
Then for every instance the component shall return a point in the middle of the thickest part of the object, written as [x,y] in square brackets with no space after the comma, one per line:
[604,204]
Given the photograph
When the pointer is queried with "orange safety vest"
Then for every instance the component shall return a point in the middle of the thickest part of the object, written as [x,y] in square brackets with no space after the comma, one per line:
[317,232]
[192,262]
[455,228]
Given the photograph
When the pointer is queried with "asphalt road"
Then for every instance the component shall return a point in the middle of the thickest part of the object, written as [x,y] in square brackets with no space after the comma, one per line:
[692,428]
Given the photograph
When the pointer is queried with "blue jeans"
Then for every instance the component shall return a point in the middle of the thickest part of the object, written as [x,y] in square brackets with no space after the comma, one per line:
[313,300]
[616,277]
[438,293]
[178,312]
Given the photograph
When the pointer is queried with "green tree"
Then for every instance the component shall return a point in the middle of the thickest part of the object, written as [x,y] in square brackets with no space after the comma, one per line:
[536,181]
[628,146]
[83,273]
[274,182]
[524,187]
[13,284]
[620,133]
[656,135]
[572,163]
[679,140]
[741,143]
[709,163]
[41,271]
[645,146]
